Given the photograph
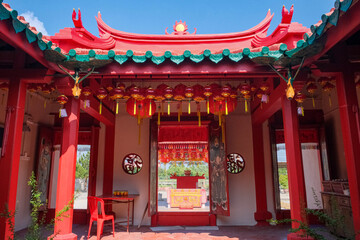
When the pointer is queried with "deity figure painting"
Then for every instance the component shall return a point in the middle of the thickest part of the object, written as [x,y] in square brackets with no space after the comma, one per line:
[44,167]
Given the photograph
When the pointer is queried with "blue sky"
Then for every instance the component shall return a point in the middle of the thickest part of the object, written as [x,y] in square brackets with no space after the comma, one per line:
[153,16]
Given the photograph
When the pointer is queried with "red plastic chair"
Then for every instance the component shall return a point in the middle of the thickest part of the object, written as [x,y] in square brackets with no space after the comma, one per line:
[99,218]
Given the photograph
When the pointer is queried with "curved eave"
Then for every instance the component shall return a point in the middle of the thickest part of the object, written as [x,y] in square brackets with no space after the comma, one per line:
[260,28]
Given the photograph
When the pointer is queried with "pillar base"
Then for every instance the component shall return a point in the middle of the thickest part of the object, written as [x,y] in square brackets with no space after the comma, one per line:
[261,218]
[296,236]
[69,236]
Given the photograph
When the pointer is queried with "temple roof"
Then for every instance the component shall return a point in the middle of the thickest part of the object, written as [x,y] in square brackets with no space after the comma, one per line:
[78,48]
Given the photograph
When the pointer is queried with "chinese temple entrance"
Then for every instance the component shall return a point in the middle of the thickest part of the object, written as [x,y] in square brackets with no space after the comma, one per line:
[183,169]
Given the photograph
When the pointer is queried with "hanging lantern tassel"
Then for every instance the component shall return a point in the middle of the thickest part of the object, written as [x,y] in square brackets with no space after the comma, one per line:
[45,103]
[159,116]
[207,106]
[246,105]
[117,106]
[226,107]
[179,111]
[330,103]
[199,114]
[100,107]
[189,107]
[168,108]
[150,109]
[220,119]
[223,131]
[313,101]
[135,107]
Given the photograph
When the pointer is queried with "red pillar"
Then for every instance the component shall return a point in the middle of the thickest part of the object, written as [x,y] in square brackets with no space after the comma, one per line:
[294,164]
[9,162]
[93,160]
[67,168]
[349,109]
[109,160]
[261,214]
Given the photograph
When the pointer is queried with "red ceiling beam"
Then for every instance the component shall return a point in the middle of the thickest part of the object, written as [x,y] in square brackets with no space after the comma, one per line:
[268,109]
[28,75]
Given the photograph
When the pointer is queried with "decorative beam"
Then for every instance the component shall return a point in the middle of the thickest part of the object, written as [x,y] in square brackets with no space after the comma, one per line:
[28,75]
[274,104]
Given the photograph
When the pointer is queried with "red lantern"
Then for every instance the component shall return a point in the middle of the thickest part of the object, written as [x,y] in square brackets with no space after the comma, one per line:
[311,88]
[46,90]
[121,86]
[101,93]
[310,80]
[322,81]
[225,91]
[253,88]
[62,100]
[116,94]
[32,88]
[189,93]
[150,94]
[216,92]
[328,87]
[86,92]
[207,93]
[168,94]
[109,87]
[223,107]
[245,90]
[179,95]
[300,98]
[4,86]
[264,86]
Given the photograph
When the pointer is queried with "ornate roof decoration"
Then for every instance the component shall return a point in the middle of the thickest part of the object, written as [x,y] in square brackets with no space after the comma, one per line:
[91,51]
[180,28]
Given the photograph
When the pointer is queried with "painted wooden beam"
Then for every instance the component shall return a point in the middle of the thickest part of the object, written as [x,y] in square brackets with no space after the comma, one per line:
[268,109]
[27,75]
[9,162]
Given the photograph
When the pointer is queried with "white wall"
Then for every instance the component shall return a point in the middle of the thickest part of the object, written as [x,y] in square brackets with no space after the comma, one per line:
[40,116]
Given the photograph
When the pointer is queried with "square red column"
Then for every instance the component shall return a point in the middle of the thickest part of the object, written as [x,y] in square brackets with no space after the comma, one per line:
[349,117]
[10,155]
[294,164]
[67,168]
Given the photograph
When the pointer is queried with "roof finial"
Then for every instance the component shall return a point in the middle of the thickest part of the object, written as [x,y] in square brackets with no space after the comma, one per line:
[77,22]
[287,15]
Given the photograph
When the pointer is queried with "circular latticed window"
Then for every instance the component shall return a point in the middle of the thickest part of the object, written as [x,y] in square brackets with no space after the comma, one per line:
[132,163]
[235,163]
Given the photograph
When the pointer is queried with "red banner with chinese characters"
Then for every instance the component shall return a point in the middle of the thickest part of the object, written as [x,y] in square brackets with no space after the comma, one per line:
[183,134]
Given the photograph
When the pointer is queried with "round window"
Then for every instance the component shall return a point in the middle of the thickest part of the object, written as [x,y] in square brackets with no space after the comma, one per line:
[235,163]
[132,163]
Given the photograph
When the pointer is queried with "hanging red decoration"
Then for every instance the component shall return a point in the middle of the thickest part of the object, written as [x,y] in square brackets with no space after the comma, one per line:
[245,90]
[225,91]
[179,95]
[150,94]
[168,94]
[101,93]
[142,110]
[4,86]
[222,107]
[328,87]
[309,80]
[300,98]
[116,94]
[109,87]
[121,86]
[253,88]
[322,81]
[207,93]
[32,87]
[46,90]
[311,88]
[189,93]
[86,91]
[62,100]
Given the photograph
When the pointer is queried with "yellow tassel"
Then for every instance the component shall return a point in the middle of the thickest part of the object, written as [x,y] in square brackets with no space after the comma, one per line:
[246,106]
[179,113]
[60,113]
[117,107]
[139,119]
[199,118]
[189,107]
[208,106]
[100,107]
[302,111]
[330,103]
[150,110]
[313,101]
[168,109]
[226,108]
[85,104]
[45,103]
[223,132]
[158,118]
[220,119]
[135,107]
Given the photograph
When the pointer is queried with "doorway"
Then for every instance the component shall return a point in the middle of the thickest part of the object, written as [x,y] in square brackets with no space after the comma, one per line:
[183,169]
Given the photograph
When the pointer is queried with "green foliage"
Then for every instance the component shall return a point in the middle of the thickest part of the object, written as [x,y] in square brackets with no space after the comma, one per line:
[9,216]
[179,169]
[37,225]
[82,166]
[332,222]
[283,178]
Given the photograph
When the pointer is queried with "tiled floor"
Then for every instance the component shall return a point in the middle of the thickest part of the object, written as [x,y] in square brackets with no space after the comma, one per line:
[145,233]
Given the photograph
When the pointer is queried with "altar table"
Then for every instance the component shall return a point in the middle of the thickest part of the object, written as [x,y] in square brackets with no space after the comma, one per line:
[186,198]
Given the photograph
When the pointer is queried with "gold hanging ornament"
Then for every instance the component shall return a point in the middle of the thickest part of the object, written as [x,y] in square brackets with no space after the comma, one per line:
[300,98]
[311,89]
[328,87]
[189,93]
[101,94]
[62,100]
